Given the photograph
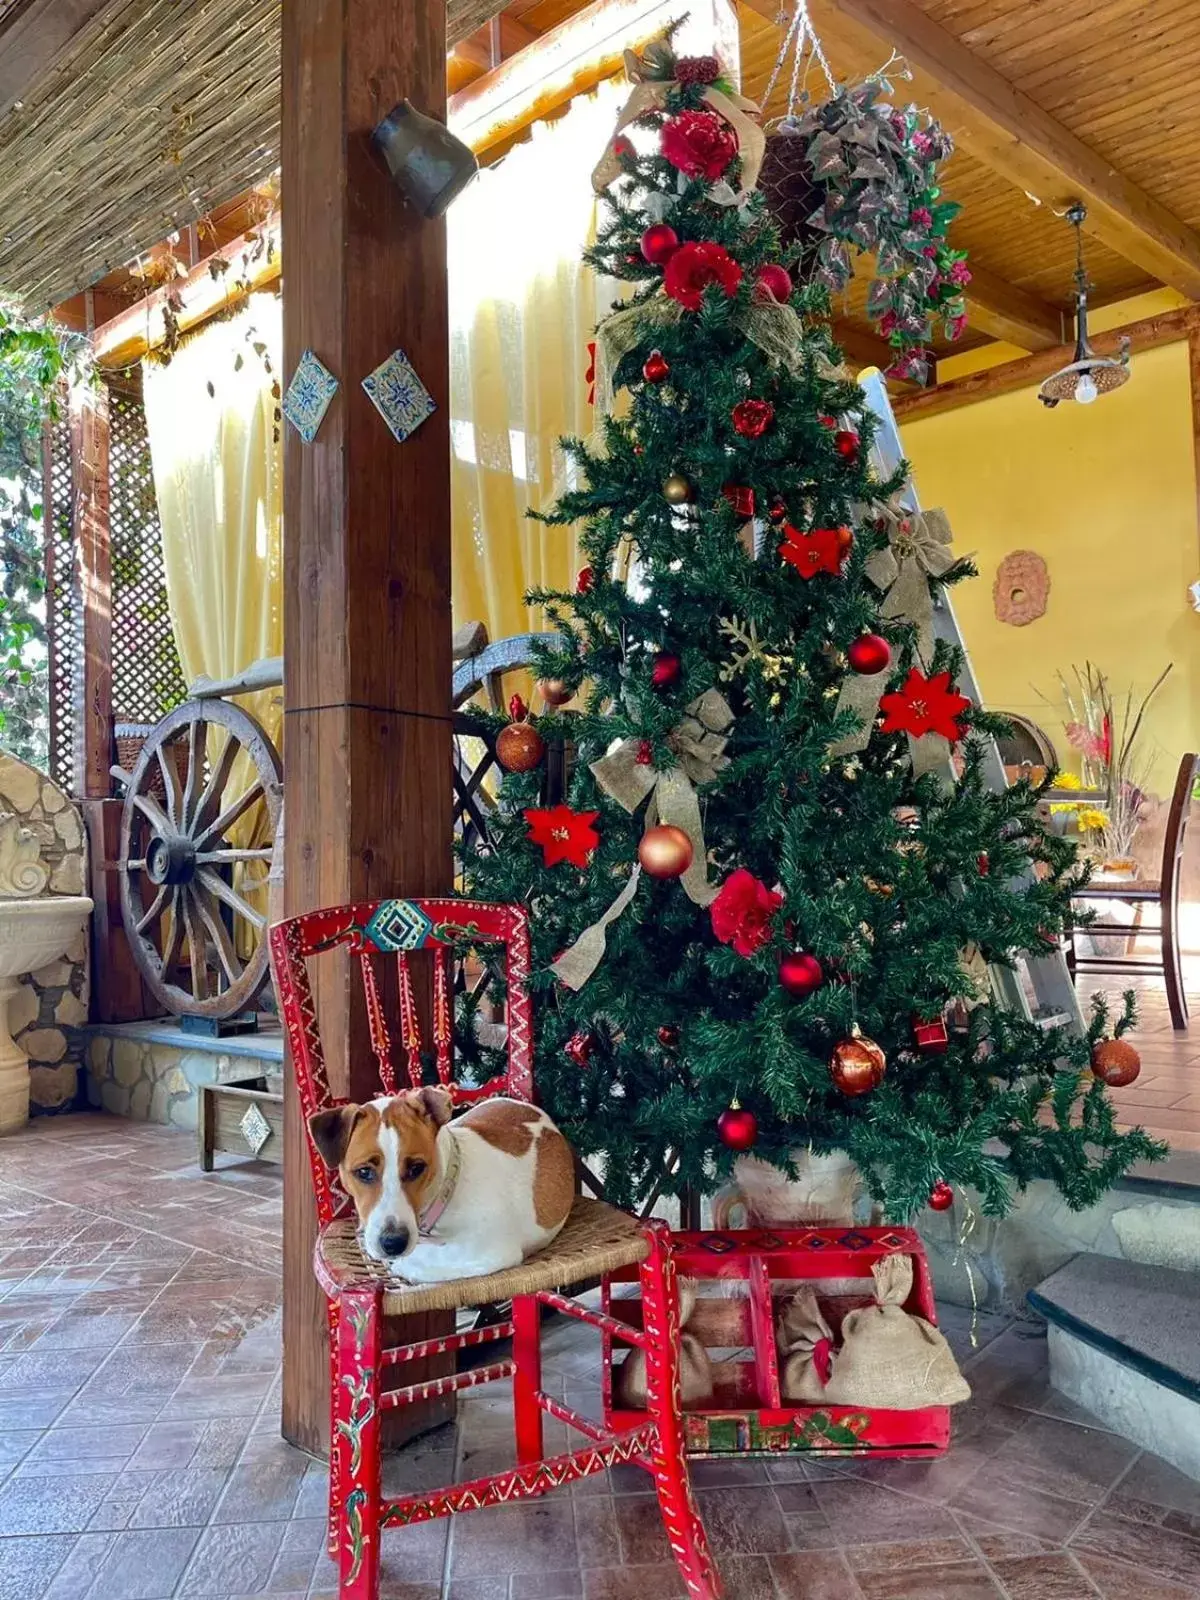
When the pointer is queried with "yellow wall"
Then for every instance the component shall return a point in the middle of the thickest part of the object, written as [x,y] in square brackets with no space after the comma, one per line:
[1106,495]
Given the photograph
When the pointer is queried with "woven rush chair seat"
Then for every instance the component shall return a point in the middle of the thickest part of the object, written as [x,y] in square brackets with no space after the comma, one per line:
[595,1239]
[1134,889]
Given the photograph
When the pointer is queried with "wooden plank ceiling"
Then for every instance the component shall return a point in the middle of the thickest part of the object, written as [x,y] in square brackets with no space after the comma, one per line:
[1093,98]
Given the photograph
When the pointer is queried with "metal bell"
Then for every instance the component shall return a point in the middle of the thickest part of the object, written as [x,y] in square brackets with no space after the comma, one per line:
[428,164]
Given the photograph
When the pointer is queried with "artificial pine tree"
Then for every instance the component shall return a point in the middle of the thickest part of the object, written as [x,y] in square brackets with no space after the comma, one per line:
[743,935]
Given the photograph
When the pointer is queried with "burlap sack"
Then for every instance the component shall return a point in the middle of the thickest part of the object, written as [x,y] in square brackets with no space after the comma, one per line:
[891,1359]
[695,1369]
[806,1349]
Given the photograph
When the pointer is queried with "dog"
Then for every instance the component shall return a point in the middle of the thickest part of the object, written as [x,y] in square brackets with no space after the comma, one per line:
[438,1199]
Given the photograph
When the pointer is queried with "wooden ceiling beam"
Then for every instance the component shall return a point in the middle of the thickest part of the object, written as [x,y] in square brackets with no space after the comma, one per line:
[465,17]
[1008,312]
[1009,132]
[863,349]
[477,49]
[1169,327]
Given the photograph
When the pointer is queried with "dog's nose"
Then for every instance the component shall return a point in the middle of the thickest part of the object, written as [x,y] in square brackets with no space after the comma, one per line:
[394,1242]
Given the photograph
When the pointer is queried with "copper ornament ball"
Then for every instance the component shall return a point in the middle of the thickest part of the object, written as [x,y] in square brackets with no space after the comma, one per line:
[677,489]
[1115,1063]
[519,747]
[857,1065]
[554,691]
[665,851]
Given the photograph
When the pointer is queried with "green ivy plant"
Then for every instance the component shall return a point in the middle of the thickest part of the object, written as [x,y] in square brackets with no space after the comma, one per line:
[33,356]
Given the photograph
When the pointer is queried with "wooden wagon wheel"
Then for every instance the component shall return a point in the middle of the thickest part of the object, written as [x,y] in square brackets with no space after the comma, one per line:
[177,860]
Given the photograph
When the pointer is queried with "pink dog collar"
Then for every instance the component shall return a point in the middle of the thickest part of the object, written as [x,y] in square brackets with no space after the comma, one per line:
[432,1214]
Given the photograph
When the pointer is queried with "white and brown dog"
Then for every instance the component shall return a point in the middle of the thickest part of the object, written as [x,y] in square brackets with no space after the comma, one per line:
[438,1199]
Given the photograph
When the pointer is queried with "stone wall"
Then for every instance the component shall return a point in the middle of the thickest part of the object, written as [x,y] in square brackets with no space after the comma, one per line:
[48,1014]
[150,1071]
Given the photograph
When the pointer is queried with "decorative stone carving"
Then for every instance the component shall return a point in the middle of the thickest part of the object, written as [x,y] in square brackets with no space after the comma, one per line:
[23,876]
[1022,588]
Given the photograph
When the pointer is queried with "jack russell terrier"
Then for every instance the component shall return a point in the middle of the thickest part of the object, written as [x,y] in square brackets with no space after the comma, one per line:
[437,1199]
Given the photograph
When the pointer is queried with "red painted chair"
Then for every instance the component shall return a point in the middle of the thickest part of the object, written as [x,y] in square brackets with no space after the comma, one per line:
[596,1240]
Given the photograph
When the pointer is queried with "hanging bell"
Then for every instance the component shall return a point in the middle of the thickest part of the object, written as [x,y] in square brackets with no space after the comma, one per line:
[428,164]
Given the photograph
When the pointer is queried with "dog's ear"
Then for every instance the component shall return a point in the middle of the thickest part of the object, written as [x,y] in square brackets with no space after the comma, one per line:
[331,1132]
[435,1104]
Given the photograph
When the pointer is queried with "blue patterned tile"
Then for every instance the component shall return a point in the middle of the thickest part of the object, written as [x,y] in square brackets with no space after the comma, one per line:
[399,396]
[308,395]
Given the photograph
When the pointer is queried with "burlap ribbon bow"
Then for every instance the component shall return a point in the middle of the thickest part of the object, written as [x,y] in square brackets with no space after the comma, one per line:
[918,549]
[650,94]
[698,743]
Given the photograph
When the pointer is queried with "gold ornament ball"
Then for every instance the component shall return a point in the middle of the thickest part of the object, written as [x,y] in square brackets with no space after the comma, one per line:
[1115,1063]
[677,489]
[554,691]
[665,851]
[519,747]
[857,1065]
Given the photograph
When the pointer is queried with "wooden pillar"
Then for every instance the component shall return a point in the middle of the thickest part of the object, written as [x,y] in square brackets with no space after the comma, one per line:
[1193,349]
[88,413]
[367,730]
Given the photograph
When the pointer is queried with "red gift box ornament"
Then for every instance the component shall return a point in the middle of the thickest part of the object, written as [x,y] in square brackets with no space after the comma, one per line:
[740,497]
[932,1038]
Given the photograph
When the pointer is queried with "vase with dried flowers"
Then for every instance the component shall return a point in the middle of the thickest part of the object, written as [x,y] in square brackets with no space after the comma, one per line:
[1109,734]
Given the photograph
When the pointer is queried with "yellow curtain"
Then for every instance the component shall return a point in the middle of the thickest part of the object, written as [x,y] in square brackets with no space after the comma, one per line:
[522,310]
[210,416]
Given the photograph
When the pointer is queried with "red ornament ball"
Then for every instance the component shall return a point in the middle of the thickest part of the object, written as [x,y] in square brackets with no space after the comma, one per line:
[519,747]
[585,580]
[941,1196]
[800,974]
[1115,1063]
[665,671]
[656,368]
[665,851]
[554,691]
[737,1127]
[579,1047]
[659,244]
[982,862]
[857,1065]
[668,1036]
[870,653]
[846,442]
[774,283]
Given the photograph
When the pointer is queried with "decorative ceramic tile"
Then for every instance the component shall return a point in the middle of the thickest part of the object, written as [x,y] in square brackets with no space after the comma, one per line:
[256,1130]
[399,396]
[308,395]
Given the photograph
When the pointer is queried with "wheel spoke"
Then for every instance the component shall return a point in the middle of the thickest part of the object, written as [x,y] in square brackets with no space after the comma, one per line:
[137,864]
[227,857]
[217,886]
[210,800]
[218,932]
[195,766]
[170,776]
[157,906]
[154,813]
[196,950]
[174,942]
[231,813]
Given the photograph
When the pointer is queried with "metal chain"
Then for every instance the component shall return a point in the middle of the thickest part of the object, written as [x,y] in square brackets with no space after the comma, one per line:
[800,39]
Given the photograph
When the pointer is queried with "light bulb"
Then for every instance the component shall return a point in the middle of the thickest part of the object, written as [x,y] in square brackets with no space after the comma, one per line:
[1086,390]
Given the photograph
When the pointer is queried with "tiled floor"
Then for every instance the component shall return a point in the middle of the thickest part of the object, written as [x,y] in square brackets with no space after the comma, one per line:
[1166,1096]
[140,1456]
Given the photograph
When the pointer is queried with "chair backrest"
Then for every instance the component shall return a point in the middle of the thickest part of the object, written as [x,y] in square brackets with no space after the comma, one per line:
[1177,821]
[370,932]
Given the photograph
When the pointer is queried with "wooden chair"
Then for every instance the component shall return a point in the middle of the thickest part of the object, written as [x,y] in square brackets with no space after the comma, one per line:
[1140,892]
[597,1239]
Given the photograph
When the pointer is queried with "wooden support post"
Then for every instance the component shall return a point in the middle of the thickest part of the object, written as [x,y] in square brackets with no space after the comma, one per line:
[88,413]
[1193,343]
[367,731]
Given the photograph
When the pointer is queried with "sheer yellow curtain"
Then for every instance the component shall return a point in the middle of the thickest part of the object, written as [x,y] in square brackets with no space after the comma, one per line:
[522,310]
[210,416]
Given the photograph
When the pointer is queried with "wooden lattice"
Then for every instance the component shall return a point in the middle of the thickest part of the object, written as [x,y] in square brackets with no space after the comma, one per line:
[64,616]
[146,675]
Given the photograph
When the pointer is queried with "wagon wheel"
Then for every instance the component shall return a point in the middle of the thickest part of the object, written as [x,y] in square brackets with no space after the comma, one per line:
[177,865]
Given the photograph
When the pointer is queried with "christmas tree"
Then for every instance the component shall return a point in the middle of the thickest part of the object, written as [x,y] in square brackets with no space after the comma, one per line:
[777,869]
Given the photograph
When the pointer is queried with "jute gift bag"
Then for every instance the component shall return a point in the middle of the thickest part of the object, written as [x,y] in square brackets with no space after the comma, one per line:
[695,1369]
[806,1345]
[891,1359]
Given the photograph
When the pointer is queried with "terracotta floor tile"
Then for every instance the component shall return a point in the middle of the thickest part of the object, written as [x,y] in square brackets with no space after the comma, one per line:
[1116,1580]
[1151,1489]
[820,1575]
[996,1495]
[873,1558]
[964,1581]
[1044,1578]
[633,1583]
[864,1513]
[1156,1550]
[1065,1459]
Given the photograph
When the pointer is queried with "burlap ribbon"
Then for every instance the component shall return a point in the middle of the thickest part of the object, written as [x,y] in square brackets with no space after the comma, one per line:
[698,743]
[918,549]
[650,94]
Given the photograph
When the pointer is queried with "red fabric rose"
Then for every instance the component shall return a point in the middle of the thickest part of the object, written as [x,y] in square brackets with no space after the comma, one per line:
[742,912]
[697,69]
[693,267]
[752,418]
[699,143]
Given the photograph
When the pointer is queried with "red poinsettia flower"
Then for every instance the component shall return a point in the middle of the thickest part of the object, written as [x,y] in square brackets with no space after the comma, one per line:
[699,143]
[821,550]
[563,834]
[693,267]
[925,705]
[742,912]
[752,418]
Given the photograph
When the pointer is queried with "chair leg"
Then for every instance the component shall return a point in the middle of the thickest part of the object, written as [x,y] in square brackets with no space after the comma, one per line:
[527,1379]
[356,1426]
[660,1318]
[1173,966]
[333,1528]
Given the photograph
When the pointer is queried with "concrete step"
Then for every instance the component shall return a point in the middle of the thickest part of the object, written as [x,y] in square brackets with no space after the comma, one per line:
[1124,1342]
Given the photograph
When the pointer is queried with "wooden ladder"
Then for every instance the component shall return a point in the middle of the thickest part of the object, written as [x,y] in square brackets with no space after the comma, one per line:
[1049,982]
